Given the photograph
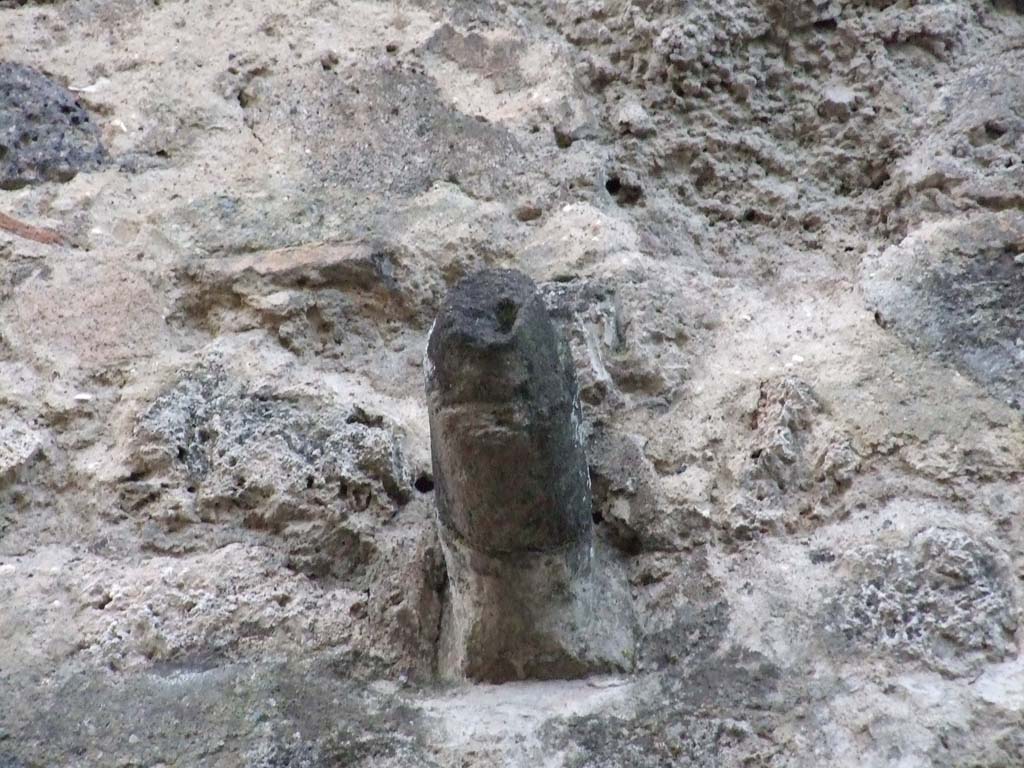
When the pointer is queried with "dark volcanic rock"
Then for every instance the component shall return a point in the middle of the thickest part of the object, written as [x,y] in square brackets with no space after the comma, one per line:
[957,292]
[508,458]
[528,596]
[45,133]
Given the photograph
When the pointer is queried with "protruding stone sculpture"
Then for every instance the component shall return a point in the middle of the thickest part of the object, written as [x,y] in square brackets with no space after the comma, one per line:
[528,598]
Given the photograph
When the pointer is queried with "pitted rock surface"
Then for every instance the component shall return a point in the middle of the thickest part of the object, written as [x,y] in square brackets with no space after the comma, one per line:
[45,132]
[782,241]
[945,599]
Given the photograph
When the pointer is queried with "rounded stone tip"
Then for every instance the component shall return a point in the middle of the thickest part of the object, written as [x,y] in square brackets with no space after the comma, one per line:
[493,341]
[482,309]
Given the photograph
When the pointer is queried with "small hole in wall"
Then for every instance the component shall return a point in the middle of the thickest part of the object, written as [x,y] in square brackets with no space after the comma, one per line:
[995,129]
[424,483]
[505,314]
[624,192]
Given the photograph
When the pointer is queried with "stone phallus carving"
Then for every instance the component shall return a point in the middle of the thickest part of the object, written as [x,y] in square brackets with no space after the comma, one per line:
[530,598]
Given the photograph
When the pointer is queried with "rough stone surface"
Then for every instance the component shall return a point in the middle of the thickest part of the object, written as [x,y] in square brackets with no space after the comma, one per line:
[45,133]
[945,599]
[782,241]
[19,445]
